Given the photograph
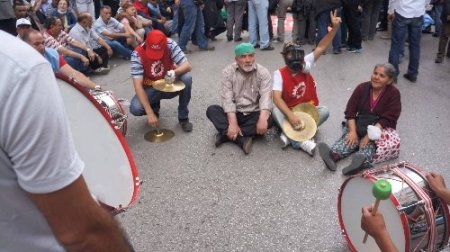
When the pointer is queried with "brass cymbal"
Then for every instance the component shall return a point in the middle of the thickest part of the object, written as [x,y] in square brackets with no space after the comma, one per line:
[309,109]
[303,134]
[164,86]
[159,135]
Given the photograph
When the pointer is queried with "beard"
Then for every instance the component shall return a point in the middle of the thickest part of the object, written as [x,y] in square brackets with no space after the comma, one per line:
[246,67]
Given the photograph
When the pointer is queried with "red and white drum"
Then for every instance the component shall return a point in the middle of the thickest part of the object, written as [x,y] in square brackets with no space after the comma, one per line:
[110,171]
[416,219]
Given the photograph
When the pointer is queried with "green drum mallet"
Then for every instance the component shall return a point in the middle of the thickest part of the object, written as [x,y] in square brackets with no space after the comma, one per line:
[381,190]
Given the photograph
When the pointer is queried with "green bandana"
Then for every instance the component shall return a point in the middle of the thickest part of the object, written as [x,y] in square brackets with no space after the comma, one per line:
[244,48]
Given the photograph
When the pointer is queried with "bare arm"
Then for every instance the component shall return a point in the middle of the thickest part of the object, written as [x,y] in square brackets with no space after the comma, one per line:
[115,35]
[282,106]
[84,47]
[64,51]
[326,41]
[78,222]
[437,184]
[152,119]
[374,225]
[183,68]
[79,77]
[105,45]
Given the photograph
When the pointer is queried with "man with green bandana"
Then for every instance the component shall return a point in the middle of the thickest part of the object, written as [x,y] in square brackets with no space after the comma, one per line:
[246,97]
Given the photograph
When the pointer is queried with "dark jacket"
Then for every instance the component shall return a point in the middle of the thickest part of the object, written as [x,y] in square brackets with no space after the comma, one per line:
[445,11]
[326,5]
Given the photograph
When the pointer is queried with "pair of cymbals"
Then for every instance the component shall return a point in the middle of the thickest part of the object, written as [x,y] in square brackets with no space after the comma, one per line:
[168,87]
[309,116]
[306,132]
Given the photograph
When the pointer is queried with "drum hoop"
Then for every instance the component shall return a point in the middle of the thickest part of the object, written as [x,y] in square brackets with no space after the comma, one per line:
[119,135]
[443,203]
[394,201]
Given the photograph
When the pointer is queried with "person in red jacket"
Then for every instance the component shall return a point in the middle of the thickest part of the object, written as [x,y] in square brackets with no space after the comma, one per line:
[293,85]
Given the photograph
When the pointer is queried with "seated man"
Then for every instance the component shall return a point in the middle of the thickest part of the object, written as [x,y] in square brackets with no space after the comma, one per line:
[293,85]
[159,58]
[113,32]
[22,25]
[83,32]
[36,40]
[246,96]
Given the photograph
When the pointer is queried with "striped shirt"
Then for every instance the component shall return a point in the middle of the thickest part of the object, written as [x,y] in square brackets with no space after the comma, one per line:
[176,54]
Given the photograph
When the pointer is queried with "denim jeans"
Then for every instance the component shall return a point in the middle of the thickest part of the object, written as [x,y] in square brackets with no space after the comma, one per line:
[174,29]
[437,10]
[76,64]
[156,96]
[400,27]
[257,18]
[119,48]
[323,19]
[193,21]
[279,118]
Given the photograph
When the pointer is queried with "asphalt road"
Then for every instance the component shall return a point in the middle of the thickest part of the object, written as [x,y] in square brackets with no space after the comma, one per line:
[195,197]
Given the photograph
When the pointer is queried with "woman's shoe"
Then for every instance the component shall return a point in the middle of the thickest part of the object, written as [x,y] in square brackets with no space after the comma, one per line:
[356,165]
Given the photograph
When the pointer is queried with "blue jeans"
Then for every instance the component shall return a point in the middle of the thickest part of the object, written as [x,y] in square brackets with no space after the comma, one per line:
[76,64]
[323,20]
[193,20]
[175,21]
[119,48]
[156,96]
[401,26]
[437,10]
[257,18]
[279,118]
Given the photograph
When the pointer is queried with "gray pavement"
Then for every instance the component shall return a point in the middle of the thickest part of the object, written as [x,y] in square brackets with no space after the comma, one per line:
[195,197]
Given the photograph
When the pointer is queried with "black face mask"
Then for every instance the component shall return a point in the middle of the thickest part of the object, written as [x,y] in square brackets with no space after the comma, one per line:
[294,58]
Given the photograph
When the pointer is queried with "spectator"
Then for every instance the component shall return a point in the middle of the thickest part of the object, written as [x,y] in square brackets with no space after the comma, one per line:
[84,6]
[77,60]
[283,5]
[65,14]
[323,8]
[258,24]
[22,25]
[113,32]
[371,10]
[7,17]
[128,17]
[193,22]
[352,12]
[235,15]
[444,42]
[407,19]
[83,32]
[36,40]
[156,12]
[214,24]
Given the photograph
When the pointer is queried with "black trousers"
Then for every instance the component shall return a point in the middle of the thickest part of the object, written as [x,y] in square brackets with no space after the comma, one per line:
[352,19]
[103,53]
[247,123]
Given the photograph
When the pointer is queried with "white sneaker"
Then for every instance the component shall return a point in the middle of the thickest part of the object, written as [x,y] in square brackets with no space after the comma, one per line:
[284,141]
[309,146]
[101,70]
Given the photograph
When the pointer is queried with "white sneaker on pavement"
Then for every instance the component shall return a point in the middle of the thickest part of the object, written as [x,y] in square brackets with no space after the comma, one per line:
[284,141]
[309,146]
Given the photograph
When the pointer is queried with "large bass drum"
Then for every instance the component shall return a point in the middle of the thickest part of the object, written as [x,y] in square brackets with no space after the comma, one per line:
[416,219]
[110,171]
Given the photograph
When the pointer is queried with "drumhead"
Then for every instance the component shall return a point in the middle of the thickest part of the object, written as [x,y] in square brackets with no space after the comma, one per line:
[110,171]
[355,194]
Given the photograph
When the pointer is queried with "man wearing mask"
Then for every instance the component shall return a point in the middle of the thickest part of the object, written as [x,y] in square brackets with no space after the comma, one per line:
[294,85]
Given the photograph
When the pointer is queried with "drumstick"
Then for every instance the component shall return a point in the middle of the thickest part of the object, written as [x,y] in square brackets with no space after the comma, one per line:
[381,190]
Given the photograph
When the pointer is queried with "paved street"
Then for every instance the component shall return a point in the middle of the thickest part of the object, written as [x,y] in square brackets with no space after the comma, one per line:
[195,197]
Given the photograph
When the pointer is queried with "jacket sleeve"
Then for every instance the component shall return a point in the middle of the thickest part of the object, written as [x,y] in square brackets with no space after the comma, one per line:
[352,105]
[392,108]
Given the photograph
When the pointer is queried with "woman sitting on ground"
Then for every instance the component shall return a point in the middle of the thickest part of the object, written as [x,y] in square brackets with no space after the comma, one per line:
[372,113]
[129,18]
[66,15]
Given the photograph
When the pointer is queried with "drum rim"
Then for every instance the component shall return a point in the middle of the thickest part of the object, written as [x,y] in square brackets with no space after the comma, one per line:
[391,197]
[119,135]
